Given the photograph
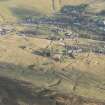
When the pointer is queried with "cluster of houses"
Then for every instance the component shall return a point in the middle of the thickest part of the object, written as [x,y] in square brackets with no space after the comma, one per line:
[74,49]
[5,30]
[101,22]
[72,15]
[68,51]
[71,35]
[2,31]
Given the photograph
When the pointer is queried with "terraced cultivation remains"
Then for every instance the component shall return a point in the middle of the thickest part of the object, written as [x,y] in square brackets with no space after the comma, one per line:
[49,75]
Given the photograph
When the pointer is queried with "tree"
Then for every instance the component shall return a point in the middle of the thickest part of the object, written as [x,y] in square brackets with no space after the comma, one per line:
[68,9]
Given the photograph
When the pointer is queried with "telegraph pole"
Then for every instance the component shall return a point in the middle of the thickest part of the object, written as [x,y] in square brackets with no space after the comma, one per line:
[53,6]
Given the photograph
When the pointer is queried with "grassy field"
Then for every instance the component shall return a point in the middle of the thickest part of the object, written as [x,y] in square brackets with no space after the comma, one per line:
[42,71]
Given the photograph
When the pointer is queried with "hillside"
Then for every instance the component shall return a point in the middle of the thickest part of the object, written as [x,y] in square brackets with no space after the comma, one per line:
[13,9]
[52,53]
[24,75]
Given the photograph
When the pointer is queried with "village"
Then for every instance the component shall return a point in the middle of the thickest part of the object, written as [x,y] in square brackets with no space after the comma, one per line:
[64,41]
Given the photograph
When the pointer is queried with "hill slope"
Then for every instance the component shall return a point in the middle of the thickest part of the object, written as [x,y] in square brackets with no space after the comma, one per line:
[13,8]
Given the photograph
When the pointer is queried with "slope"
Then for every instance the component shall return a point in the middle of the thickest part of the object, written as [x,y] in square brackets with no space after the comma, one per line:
[12,9]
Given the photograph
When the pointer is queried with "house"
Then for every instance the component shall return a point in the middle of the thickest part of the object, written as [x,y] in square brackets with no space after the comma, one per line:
[2,31]
[68,34]
[57,57]
[100,23]
[104,22]
[71,35]
[5,30]
[74,50]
